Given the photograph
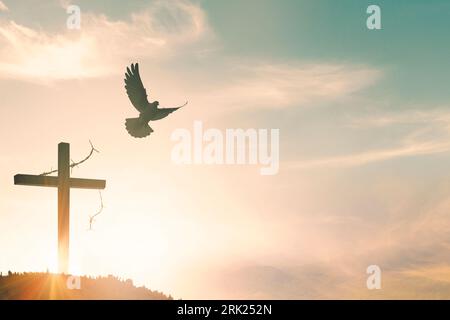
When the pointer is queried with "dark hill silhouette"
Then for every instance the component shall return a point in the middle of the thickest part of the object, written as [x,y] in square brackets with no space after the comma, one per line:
[45,286]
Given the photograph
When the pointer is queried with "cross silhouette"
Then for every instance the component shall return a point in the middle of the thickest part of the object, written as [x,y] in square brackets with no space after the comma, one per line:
[64,183]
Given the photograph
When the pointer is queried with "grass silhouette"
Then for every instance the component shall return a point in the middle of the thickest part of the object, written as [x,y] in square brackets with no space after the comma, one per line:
[48,286]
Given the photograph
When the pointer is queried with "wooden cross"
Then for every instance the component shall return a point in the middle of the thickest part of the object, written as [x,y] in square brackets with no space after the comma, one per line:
[63,182]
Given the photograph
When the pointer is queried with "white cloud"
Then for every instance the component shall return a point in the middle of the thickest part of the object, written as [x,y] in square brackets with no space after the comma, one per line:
[435,117]
[268,85]
[3,7]
[428,133]
[363,158]
[101,44]
[168,30]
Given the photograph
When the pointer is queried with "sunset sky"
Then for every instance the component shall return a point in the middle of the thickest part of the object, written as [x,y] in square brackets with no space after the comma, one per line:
[364,120]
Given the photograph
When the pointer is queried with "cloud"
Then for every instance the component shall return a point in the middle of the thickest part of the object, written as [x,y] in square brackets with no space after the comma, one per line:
[413,257]
[412,253]
[428,132]
[412,249]
[3,7]
[101,44]
[315,281]
[439,116]
[172,30]
[375,156]
[275,86]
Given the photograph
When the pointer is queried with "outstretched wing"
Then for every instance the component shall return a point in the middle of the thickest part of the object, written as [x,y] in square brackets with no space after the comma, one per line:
[162,113]
[135,89]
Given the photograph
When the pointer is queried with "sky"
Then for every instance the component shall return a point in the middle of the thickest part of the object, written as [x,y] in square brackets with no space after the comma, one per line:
[364,123]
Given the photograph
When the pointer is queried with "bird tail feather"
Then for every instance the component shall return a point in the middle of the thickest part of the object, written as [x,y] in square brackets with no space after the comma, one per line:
[137,128]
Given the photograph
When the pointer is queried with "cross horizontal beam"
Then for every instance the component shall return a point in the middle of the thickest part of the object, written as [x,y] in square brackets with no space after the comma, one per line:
[49,181]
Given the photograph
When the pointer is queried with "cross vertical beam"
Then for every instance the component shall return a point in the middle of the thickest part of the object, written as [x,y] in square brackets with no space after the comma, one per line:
[63,182]
[63,206]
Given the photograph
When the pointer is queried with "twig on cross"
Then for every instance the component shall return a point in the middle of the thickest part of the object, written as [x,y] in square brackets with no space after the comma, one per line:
[49,172]
[75,164]
[92,218]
